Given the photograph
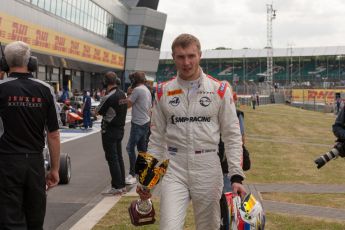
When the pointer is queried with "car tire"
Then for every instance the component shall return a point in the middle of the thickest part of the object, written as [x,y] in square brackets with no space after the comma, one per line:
[65,168]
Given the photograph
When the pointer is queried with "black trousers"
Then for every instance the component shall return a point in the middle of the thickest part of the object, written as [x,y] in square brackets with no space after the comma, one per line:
[22,192]
[111,141]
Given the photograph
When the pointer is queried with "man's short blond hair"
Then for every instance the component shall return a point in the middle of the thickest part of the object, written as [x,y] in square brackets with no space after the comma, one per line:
[185,40]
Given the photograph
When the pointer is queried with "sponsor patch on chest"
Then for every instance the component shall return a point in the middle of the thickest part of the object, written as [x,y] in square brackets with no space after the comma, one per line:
[174,92]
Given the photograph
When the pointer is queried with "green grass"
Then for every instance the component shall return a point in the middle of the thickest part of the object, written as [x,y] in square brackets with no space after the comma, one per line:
[292,222]
[283,142]
[118,218]
[324,200]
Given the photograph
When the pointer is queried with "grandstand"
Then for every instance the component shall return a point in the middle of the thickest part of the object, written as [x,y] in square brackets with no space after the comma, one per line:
[292,67]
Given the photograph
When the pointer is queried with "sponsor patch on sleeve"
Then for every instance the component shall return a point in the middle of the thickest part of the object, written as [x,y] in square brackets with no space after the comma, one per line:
[159,91]
[222,89]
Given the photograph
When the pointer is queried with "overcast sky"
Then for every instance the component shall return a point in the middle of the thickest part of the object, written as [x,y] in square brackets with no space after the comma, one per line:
[242,23]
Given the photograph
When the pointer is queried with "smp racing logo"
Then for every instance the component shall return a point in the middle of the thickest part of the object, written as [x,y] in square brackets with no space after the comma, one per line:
[175,101]
[205,101]
[175,119]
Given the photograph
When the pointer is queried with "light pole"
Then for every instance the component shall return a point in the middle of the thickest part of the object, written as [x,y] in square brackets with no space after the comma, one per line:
[271,14]
[244,74]
[291,64]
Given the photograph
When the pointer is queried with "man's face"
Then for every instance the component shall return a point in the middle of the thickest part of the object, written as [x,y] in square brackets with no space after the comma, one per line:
[187,61]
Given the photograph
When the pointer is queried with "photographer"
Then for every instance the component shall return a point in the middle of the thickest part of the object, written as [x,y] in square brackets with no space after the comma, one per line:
[339,147]
[140,100]
[339,126]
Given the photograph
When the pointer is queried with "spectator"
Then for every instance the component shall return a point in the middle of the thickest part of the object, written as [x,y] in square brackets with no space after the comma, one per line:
[113,108]
[338,103]
[257,99]
[65,94]
[86,108]
[23,181]
[140,101]
[188,116]
[253,98]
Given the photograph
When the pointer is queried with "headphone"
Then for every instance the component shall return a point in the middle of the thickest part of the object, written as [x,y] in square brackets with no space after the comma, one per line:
[108,81]
[111,80]
[32,64]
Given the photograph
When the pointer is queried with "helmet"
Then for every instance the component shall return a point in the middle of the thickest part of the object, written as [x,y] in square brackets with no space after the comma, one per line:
[246,213]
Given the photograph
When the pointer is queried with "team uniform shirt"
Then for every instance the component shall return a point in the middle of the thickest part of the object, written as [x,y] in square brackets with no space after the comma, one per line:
[186,122]
[27,109]
[113,108]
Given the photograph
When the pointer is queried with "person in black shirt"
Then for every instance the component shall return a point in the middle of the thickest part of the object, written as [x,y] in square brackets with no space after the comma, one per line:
[27,111]
[113,108]
[338,127]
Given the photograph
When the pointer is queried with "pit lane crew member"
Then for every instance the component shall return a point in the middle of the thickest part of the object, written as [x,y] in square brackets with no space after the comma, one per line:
[113,108]
[27,111]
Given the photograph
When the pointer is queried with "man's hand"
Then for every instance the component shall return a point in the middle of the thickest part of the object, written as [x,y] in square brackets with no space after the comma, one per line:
[143,194]
[238,188]
[52,179]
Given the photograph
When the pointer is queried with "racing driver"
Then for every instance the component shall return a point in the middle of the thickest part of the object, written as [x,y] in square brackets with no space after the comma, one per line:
[189,113]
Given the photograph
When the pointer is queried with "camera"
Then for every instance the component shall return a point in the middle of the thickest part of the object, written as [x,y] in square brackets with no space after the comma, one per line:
[337,150]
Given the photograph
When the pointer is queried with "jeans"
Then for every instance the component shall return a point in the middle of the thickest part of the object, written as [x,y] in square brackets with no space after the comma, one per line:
[137,137]
[111,141]
[87,118]
[22,192]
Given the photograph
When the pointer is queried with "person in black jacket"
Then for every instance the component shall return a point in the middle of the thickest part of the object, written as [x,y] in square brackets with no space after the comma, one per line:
[28,110]
[113,108]
[339,126]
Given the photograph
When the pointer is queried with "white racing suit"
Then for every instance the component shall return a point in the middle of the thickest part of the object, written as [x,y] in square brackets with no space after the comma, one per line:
[185,128]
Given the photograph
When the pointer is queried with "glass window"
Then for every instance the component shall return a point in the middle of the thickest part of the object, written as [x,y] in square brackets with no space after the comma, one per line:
[96,12]
[64,9]
[47,5]
[55,77]
[41,4]
[151,38]
[58,8]
[53,6]
[133,36]
[86,6]
[68,12]
[74,3]
[77,16]
[73,14]
[92,9]
[41,73]
[83,19]
[90,16]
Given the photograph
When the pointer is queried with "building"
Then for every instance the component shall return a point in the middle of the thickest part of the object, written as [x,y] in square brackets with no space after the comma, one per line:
[245,69]
[77,41]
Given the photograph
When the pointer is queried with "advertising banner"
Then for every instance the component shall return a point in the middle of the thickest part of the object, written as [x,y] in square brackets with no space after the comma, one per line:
[51,42]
